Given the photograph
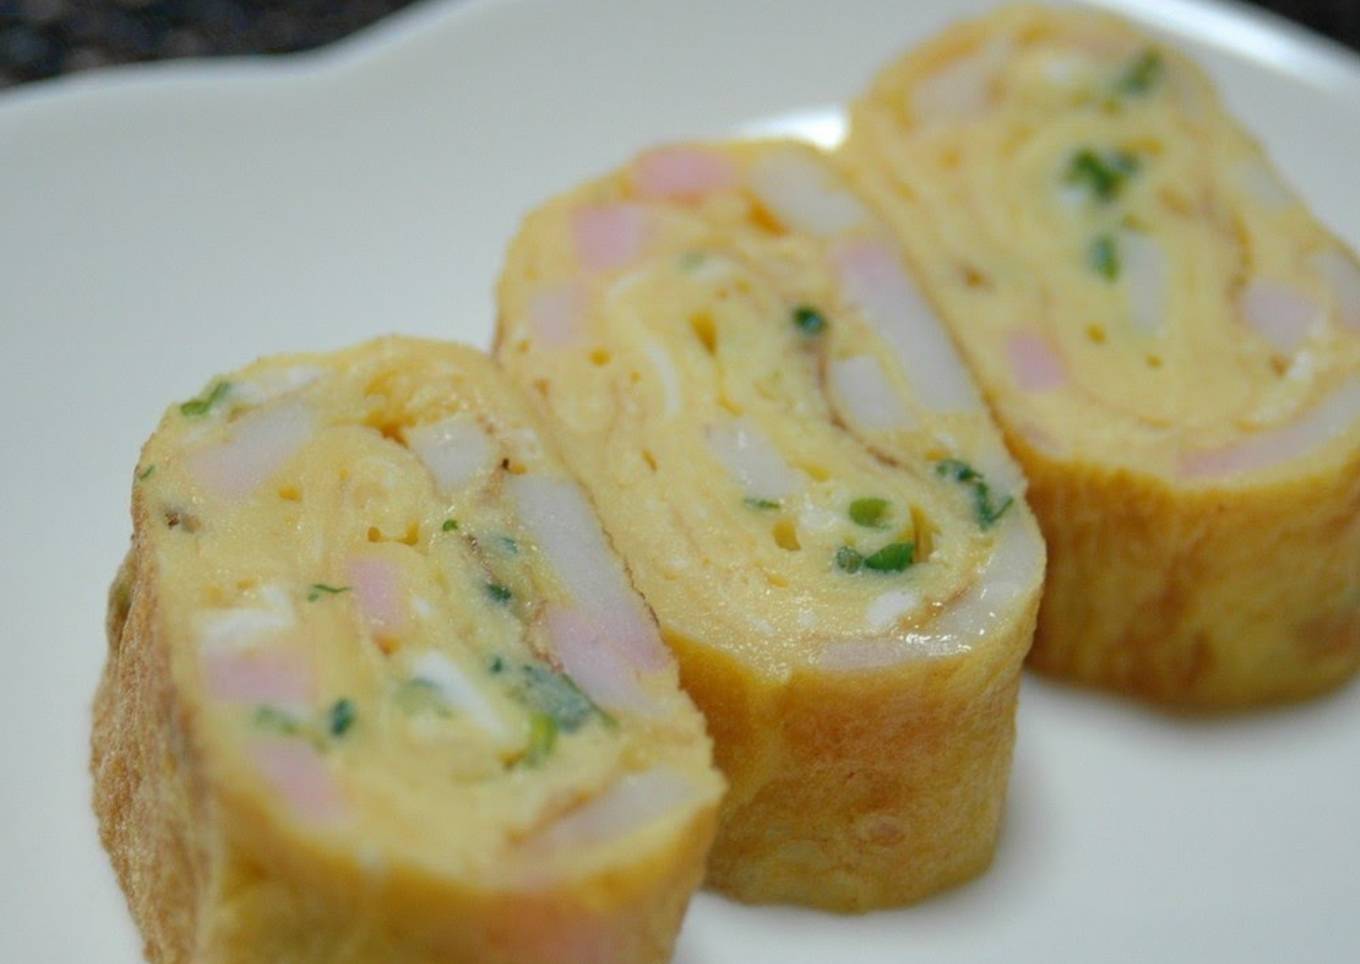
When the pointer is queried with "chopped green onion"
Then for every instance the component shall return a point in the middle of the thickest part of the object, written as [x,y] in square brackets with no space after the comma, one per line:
[320,589]
[418,695]
[497,665]
[146,473]
[848,560]
[868,512]
[1142,74]
[204,403]
[1103,257]
[985,509]
[542,688]
[893,557]
[957,469]
[988,512]
[272,718]
[752,502]
[500,593]
[508,544]
[341,716]
[449,525]
[1103,176]
[809,320]
[542,737]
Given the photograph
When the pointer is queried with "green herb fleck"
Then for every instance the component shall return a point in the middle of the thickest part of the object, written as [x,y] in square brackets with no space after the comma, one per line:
[204,403]
[988,512]
[848,560]
[868,512]
[449,525]
[341,716]
[1142,74]
[986,509]
[508,544]
[542,737]
[1105,176]
[320,589]
[499,593]
[1103,257]
[809,320]
[893,557]
[497,665]
[542,688]
[956,469]
[272,718]
[418,695]
[146,473]
[752,502]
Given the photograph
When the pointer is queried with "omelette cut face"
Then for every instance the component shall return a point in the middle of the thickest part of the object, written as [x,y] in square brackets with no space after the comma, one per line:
[784,446]
[378,689]
[1170,341]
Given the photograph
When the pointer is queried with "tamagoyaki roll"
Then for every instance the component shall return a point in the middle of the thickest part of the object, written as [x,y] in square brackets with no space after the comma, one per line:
[782,442]
[1169,339]
[378,690]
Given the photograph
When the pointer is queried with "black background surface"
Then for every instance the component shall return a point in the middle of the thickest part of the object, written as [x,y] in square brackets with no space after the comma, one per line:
[44,38]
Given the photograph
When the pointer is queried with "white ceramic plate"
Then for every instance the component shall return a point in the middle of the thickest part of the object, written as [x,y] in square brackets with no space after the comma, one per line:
[158,225]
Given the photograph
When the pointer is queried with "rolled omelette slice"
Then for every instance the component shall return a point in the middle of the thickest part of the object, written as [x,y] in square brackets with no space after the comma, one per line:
[784,446]
[1169,340]
[378,690]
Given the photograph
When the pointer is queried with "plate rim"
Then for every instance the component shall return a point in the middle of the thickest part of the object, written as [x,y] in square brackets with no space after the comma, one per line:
[1233,26]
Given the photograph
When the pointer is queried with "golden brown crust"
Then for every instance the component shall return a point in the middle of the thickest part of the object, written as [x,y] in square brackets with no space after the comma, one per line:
[1206,599]
[142,796]
[915,762]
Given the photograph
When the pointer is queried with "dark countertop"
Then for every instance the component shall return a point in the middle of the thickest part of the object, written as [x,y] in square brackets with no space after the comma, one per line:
[43,38]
